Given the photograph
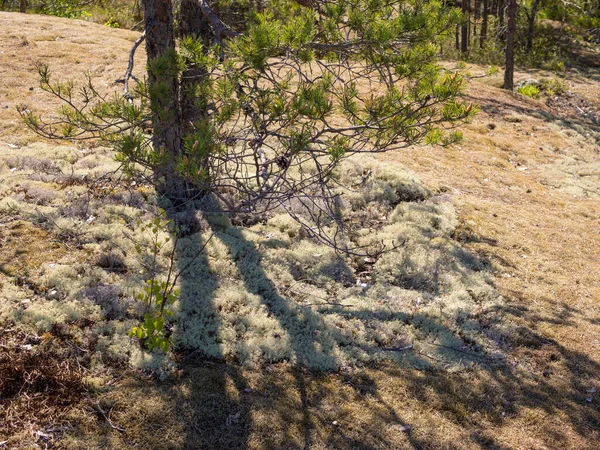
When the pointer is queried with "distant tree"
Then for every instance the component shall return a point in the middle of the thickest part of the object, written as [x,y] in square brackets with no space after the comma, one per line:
[531,16]
[464,30]
[509,68]
[261,116]
[484,23]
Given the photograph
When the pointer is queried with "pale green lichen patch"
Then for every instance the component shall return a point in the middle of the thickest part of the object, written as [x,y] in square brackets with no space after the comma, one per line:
[266,295]
[255,295]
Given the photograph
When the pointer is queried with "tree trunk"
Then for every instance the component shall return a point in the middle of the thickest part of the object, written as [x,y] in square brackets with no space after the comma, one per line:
[501,12]
[510,46]
[475,16]
[191,22]
[484,25]
[531,25]
[164,96]
[23,6]
[464,38]
[457,37]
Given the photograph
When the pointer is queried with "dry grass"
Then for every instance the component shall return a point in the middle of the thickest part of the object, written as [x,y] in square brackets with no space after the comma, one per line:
[69,47]
[542,243]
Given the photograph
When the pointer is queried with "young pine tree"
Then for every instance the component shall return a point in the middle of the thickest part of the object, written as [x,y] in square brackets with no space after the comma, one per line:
[260,116]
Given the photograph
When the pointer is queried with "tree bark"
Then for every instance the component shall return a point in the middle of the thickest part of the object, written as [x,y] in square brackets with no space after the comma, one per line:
[501,12]
[164,96]
[192,23]
[457,38]
[484,25]
[476,7]
[510,46]
[531,25]
[464,38]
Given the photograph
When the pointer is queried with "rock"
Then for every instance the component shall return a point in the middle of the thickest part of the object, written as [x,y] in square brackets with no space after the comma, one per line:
[528,82]
[512,119]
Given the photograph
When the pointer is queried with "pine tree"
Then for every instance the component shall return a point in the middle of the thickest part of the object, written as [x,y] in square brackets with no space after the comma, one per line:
[509,68]
[262,116]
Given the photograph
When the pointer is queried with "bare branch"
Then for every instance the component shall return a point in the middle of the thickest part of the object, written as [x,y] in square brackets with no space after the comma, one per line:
[219,28]
[128,72]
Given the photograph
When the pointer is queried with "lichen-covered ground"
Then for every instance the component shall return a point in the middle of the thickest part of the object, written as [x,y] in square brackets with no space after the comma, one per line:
[481,330]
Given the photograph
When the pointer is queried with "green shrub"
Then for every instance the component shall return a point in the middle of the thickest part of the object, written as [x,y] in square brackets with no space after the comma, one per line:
[553,86]
[112,23]
[70,9]
[529,90]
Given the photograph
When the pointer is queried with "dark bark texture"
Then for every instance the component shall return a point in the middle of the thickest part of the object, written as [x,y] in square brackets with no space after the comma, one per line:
[531,25]
[192,23]
[484,24]
[163,85]
[510,46]
[464,38]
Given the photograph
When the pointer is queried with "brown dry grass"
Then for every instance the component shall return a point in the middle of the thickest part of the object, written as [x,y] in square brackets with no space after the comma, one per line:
[69,47]
[544,245]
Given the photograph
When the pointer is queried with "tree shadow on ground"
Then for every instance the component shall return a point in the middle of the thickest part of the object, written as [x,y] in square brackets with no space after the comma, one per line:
[578,124]
[214,417]
[291,406]
[536,395]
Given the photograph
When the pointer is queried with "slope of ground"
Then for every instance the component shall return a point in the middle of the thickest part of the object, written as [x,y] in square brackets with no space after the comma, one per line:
[524,183]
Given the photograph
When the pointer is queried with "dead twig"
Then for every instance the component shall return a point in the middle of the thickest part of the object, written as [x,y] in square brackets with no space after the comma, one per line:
[219,28]
[97,408]
[398,349]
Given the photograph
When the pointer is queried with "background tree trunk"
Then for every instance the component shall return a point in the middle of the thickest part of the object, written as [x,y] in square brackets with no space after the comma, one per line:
[464,38]
[484,24]
[191,22]
[457,37]
[531,25]
[510,46]
[476,7]
[501,12]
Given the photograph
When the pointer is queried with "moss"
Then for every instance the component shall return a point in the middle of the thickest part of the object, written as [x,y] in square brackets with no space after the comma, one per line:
[264,294]
[285,225]
[154,362]
[70,279]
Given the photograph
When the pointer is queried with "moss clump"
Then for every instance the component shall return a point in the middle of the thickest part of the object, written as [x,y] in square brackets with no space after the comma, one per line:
[44,315]
[368,182]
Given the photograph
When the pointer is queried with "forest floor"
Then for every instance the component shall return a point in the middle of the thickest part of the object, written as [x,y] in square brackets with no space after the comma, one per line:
[525,183]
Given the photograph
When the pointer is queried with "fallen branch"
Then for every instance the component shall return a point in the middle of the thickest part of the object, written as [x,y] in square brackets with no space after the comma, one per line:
[398,349]
[103,413]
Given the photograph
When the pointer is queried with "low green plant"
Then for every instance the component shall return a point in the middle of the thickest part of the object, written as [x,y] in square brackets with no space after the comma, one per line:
[158,295]
[529,90]
[153,330]
[112,23]
[553,86]
[70,9]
